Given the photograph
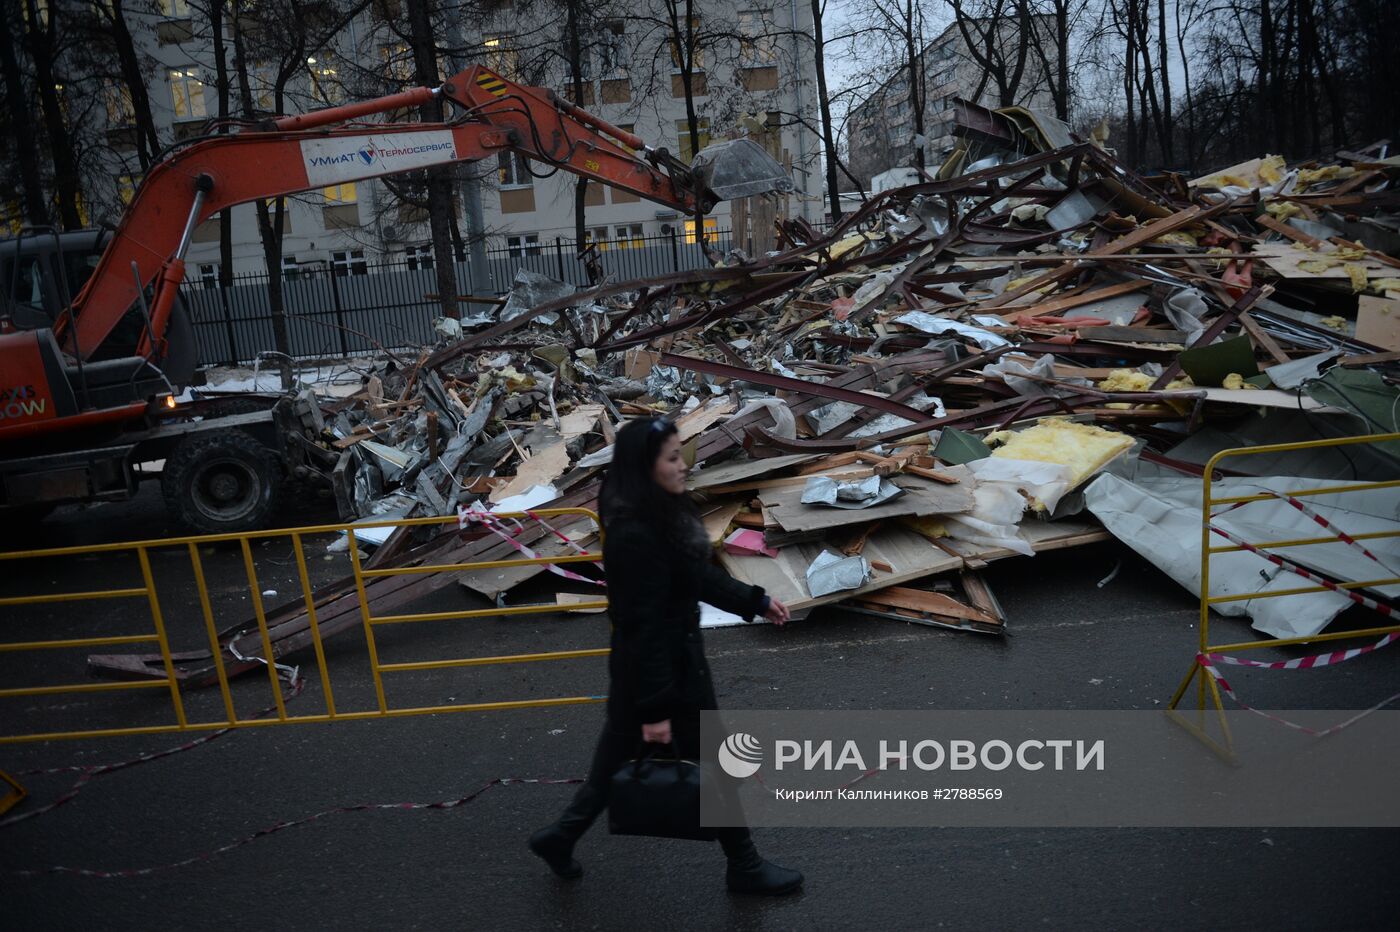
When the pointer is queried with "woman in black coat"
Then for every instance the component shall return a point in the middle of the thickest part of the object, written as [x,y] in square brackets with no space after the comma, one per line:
[656,556]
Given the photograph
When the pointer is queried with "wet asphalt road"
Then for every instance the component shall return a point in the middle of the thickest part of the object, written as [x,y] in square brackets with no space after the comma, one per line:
[1072,646]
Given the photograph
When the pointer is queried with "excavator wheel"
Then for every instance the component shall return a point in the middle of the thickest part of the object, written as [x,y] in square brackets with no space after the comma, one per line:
[221,482]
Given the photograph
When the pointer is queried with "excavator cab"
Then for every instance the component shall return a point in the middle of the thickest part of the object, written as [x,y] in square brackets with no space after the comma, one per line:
[39,274]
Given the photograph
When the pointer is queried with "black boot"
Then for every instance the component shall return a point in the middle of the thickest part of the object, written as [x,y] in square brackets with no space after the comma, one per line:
[749,873]
[555,843]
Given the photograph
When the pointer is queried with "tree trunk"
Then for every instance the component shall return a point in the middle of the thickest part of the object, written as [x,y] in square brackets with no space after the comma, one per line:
[36,209]
[441,198]
[913,62]
[129,61]
[221,86]
[824,105]
[270,235]
[576,82]
[42,42]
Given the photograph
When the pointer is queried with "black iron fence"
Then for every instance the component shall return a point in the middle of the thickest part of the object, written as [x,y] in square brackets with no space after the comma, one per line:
[351,307]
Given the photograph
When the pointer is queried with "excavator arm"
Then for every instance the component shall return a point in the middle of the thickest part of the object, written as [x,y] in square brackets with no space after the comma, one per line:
[328,147]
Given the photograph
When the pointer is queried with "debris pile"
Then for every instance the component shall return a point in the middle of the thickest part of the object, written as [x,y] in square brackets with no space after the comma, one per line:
[875,412]
[889,401]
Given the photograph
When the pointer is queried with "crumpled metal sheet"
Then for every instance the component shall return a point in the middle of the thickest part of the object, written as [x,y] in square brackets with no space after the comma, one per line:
[530,289]
[1014,373]
[930,323]
[862,493]
[830,573]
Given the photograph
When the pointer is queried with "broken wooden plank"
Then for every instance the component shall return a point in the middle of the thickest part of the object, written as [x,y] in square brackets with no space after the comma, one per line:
[921,497]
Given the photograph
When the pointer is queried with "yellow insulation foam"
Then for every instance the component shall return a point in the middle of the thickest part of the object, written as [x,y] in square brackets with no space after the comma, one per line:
[1085,449]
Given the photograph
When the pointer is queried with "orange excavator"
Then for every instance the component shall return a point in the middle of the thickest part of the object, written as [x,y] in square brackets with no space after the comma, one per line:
[88,385]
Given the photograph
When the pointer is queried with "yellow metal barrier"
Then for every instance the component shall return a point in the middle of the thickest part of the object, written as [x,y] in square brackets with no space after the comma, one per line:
[1207,691]
[12,795]
[158,635]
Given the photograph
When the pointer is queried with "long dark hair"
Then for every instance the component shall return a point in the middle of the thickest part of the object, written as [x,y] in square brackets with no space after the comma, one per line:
[629,491]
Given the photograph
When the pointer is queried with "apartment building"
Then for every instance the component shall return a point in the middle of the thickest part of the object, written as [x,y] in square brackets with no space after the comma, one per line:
[751,71]
[881,132]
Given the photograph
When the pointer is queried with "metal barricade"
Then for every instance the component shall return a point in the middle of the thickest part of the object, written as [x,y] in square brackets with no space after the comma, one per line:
[1208,690]
[230,719]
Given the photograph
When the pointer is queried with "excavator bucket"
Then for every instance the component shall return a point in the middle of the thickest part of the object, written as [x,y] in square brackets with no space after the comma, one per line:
[739,168]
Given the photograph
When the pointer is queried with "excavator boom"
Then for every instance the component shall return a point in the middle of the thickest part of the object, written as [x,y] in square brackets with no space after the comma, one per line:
[323,148]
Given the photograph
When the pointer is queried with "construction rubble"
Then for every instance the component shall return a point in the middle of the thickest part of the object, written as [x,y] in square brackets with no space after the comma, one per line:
[1026,354]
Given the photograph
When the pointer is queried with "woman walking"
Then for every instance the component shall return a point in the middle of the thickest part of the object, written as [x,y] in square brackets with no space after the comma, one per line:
[656,556]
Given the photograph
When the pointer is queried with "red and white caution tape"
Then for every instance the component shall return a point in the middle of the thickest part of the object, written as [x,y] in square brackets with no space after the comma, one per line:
[90,771]
[1322,522]
[279,826]
[466,516]
[1210,660]
[1207,662]
[1383,608]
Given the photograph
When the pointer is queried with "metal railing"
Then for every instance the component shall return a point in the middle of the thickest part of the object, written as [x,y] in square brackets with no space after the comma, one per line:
[1208,690]
[358,305]
[159,635]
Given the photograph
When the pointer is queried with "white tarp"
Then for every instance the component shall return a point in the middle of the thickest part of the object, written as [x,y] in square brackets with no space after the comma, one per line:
[1161,519]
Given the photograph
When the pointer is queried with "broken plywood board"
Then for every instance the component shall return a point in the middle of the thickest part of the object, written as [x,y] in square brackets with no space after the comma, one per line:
[921,497]
[739,470]
[718,519]
[1256,398]
[703,418]
[1286,259]
[1378,321]
[550,458]
[909,556]
[1043,536]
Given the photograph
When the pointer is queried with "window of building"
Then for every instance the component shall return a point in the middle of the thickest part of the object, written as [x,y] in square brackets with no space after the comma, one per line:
[349,262]
[343,193]
[290,268]
[500,55]
[688,40]
[685,149]
[326,85]
[614,55]
[757,41]
[711,228]
[120,111]
[397,62]
[599,236]
[209,274]
[629,236]
[524,244]
[126,189]
[175,9]
[514,171]
[187,95]
[419,257]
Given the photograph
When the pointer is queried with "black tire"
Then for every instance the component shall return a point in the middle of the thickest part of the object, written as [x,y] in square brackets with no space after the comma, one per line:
[221,482]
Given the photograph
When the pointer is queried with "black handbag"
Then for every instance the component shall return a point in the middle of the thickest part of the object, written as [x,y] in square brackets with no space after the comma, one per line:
[658,797]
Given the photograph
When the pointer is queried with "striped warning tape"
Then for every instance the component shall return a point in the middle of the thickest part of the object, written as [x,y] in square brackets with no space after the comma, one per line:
[1210,660]
[1207,665]
[493,524]
[1383,608]
[90,771]
[280,826]
[1321,521]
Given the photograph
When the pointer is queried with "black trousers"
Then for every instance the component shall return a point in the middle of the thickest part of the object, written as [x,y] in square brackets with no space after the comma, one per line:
[615,747]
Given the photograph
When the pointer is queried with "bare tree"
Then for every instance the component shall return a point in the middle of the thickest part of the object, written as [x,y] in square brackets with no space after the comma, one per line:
[25,151]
